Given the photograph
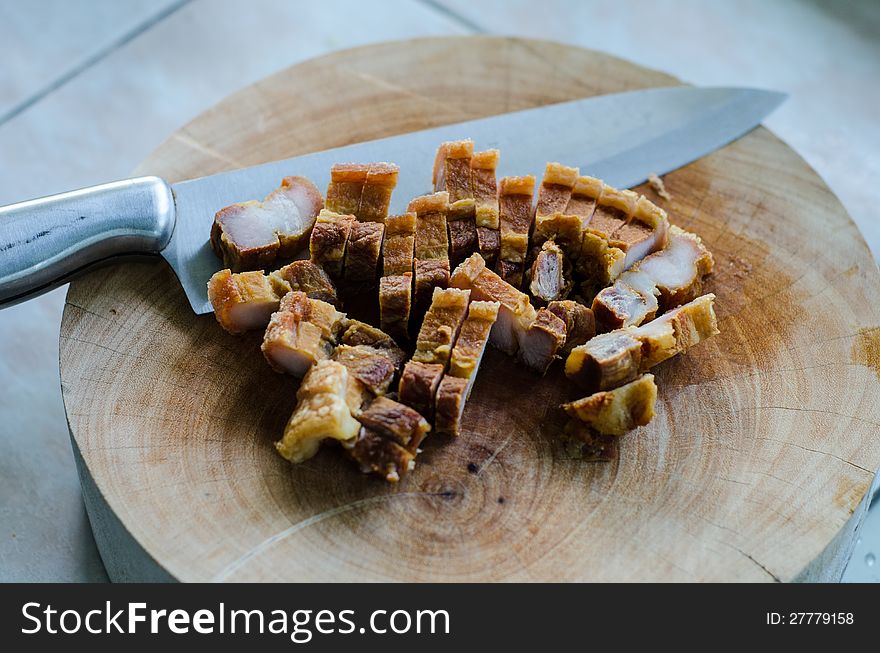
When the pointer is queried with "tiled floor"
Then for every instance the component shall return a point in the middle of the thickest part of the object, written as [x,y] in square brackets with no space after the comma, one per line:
[87,89]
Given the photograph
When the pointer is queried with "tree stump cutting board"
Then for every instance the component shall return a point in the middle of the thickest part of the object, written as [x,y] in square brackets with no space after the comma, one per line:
[755,468]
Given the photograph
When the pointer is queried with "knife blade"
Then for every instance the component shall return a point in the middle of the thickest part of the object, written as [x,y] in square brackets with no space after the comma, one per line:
[620,138]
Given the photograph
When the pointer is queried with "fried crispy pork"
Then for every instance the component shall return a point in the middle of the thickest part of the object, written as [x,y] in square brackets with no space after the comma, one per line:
[244,301]
[346,187]
[553,220]
[489,242]
[516,313]
[363,251]
[355,332]
[452,173]
[441,325]
[431,267]
[612,359]
[515,211]
[483,166]
[580,325]
[254,235]
[550,274]
[301,332]
[369,365]
[397,252]
[542,342]
[599,264]
[388,440]
[581,204]
[618,411]
[376,196]
[449,404]
[631,300]
[646,232]
[613,209]
[307,277]
[679,269]
[322,412]
[418,386]
[395,304]
[329,239]
[472,340]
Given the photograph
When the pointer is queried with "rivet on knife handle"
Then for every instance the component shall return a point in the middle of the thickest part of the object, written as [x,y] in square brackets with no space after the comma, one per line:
[44,241]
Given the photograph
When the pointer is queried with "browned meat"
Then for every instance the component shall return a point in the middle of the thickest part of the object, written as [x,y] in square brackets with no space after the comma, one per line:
[346,187]
[613,209]
[377,455]
[418,386]
[302,332]
[451,396]
[581,204]
[580,325]
[548,281]
[462,239]
[646,231]
[397,253]
[489,241]
[355,332]
[612,359]
[243,301]
[395,303]
[363,251]
[255,235]
[376,196]
[618,411]
[472,340]
[431,240]
[542,342]
[309,278]
[510,272]
[395,421]
[452,173]
[553,221]
[441,325]
[515,209]
[483,166]
[368,365]
[329,238]
[429,274]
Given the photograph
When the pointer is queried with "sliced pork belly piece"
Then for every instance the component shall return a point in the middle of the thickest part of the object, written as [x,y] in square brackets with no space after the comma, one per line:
[306,277]
[543,341]
[463,239]
[355,332]
[618,411]
[516,313]
[441,325]
[515,210]
[397,251]
[368,365]
[599,264]
[431,266]
[613,210]
[580,324]
[646,232]
[452,173]
[418,386]
[612,359]
[472,340]
[679,269]
[395,304]
[553,221]
[449,405]
[485,186]
[395,421]
[376,196]
[301,333]
[363,251]
[322,412]
[629,302]
[346,187]
[244,301]
[489,242]
[582,203]
[548,280]
[329,239]
[377,455]
[254,235]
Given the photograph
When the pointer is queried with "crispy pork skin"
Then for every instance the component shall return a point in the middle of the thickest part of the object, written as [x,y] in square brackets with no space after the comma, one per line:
[322,412]
[328,241]
[395,304]
[346,187]
[515,211]
[255,235]
[441,325]
[363,251]
[368,365]
[243,301]
[618,411]
[302,332]
[449,405]
[307,277]
[472,340]
[376,195]
[580,324]
[418,386]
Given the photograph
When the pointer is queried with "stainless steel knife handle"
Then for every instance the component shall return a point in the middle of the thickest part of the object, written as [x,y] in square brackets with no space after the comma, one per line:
[45,241]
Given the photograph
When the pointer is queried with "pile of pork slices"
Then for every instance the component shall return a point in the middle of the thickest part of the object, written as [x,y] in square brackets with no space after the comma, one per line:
[586,273]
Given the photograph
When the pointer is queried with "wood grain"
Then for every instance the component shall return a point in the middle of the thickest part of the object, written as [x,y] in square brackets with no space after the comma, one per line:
[763,447]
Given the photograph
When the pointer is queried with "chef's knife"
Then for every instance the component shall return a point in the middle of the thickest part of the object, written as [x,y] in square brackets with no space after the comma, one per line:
[621,138]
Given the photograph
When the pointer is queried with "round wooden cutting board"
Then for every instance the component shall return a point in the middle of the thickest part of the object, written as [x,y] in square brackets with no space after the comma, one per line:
[755,468]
